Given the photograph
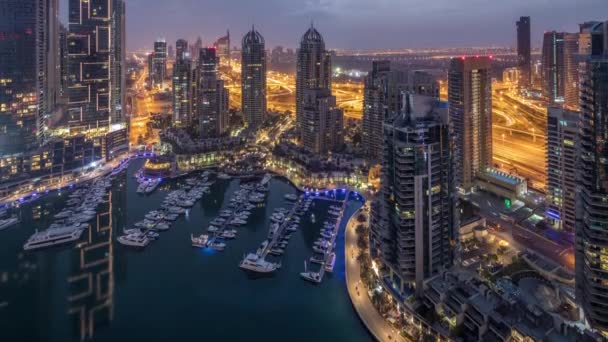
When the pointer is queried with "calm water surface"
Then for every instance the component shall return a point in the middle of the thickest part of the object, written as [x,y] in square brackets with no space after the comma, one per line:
[103,291]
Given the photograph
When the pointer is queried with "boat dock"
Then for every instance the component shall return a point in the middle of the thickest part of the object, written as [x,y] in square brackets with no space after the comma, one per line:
[281,230]
[317,277]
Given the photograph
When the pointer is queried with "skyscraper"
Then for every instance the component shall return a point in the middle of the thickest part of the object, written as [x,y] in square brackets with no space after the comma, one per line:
[412,221]
[253,78]
[592,180]
[29,78]
[182,85]
[470,98]
[212,96]
[118,62]
[323,122]
[524,59]
[157,64]
[560,68]
[222,46]
[89,47]
[313,70]
[380,100]
[181,47]
[562,135]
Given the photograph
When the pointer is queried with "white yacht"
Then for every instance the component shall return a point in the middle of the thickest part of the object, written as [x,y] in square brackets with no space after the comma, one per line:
[313,277]
[134,240]
[253,262]
[291,197]
[9,222]
[215,244]
[52,237]
[228,234]
[200,241]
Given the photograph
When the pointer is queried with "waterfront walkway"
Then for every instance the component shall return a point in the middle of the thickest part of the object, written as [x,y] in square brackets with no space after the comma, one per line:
[372,319]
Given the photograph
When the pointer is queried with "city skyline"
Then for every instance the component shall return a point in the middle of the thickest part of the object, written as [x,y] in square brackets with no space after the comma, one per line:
[352,24]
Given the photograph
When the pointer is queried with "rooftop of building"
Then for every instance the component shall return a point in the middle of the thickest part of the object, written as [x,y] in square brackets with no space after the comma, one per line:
[504,177]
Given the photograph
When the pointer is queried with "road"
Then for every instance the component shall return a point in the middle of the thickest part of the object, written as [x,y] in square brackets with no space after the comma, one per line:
[372,319]
[519,136]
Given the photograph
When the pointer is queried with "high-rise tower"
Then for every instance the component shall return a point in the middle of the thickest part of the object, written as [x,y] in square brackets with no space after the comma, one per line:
[592,180]
[313,70]
[157,64]
[382,99]
[560,68]
[212,96]
[470,98]
[323,122]
[182,85]
[29,72]
[89,53]
[253,78]
[524,60]
[412,221]
[562,137]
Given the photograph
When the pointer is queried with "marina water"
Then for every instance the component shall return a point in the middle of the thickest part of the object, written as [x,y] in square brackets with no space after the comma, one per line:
[100,290]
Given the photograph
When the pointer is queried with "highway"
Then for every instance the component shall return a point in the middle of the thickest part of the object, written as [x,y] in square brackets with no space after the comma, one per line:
[519,137]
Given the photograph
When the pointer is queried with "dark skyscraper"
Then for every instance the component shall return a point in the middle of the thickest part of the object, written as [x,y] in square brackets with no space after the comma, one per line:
[157,64]
[470,98]
[592,180]
[323,122]
[524,60]
[212,96]
[182,85]
[89,52]
[380,100]
[222,46]
[313,70]
[181,47]
[562,136]
[253,78]
[412,219]
[118,62]
[29,78]
[560,68]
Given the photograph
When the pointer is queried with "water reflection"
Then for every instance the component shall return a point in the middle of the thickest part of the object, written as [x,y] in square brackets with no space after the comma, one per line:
[91,284]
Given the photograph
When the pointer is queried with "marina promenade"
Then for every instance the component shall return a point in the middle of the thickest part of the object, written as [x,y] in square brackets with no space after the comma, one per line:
[368,314]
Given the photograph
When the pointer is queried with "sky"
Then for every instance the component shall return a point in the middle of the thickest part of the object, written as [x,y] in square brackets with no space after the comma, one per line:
[355,24]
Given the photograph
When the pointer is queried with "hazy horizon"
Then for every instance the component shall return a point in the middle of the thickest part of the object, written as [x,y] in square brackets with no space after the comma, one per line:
[354,24]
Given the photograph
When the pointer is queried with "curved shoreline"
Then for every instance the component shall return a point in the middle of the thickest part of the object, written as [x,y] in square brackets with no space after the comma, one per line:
[373,321]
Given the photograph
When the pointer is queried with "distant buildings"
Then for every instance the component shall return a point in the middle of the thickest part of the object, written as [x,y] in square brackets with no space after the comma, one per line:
[222,45]
[323,122]
[157,64]
[412,219]
[29,72]
[182,85]
[562,136]
[524,59]
[313,71]
[592,181]
[560,74]
[470,99]
[211,96]
[253,78]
